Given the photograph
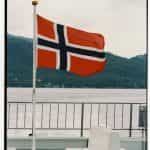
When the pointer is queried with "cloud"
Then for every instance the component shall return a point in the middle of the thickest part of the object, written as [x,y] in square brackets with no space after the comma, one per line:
[123,23]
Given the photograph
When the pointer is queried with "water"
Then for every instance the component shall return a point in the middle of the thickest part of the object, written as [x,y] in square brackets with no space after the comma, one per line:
[78,95]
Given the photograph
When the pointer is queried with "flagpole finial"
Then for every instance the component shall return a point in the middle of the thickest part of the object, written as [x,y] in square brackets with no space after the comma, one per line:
[34,2]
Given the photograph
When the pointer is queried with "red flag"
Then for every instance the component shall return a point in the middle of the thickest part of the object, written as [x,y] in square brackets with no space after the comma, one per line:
[66,48]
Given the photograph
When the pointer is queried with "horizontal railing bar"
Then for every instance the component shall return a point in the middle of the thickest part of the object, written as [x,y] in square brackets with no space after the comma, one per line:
[127,129]
[76,102]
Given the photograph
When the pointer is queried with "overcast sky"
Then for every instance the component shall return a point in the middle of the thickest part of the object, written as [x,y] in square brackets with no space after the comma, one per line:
[122,22]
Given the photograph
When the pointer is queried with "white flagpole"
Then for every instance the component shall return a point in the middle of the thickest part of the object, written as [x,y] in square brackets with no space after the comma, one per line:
[34,3]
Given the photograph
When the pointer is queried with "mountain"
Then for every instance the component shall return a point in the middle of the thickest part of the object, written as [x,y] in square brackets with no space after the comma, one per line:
[120,72]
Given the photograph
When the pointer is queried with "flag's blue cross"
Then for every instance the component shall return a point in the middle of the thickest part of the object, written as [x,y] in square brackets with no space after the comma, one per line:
[61,45]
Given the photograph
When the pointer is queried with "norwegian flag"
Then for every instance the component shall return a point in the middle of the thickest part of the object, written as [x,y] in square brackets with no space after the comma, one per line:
[66,48]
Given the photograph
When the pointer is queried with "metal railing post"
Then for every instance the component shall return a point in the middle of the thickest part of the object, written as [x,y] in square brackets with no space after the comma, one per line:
[82,119]
[130,125]
[145,128]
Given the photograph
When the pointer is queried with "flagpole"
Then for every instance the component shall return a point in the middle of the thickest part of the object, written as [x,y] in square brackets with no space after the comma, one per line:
[34,3]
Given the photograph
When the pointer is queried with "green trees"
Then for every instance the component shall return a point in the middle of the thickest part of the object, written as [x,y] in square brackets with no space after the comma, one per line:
[119,72]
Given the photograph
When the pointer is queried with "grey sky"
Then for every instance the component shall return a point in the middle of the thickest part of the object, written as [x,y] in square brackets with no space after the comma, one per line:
[122,22]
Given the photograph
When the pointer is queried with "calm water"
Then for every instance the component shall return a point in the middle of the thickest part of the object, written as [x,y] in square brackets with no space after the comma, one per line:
[78,95]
